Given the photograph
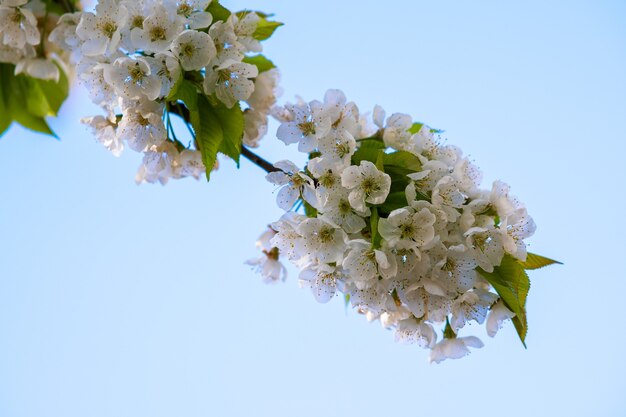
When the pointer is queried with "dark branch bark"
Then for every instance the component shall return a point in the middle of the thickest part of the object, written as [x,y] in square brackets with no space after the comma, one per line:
[257,160]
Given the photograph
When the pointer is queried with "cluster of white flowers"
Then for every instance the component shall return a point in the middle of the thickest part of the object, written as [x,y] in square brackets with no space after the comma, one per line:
[403,245]
[22,30]
[132,54]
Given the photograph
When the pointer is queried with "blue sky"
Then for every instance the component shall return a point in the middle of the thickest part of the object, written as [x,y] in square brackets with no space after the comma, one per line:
[124,300]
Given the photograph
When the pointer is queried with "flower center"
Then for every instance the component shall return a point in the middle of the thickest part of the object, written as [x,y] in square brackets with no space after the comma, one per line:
[307,128]
[406,231]
[326,234]
[136,22]
[185,9]
[188,50]
[108,28]
[136,74]
[157,33]
[369,185]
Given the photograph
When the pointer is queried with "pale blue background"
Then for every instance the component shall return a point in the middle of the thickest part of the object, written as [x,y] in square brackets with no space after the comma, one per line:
[122,300]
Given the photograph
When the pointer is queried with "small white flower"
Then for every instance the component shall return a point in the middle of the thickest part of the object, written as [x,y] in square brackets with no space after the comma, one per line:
[157,31]
[396,133]
[105,132]
[288,241]
[133,78]
[64,34]
[18,26]
[514,229]
[406,229]
[226,44]
[231,82]
[454,348]
[412,331]
[142,125]
[295,185]
[473,305]
[367,184]
[101,32]
[194,49]
[364,264]
[191,164]
[193,11]
[306,125]
[244,29]
[167,68]
[322,279]
[338,210]
[497,315]
[485,245]
[323,241]
[336,148]
[41,68]
[344,115]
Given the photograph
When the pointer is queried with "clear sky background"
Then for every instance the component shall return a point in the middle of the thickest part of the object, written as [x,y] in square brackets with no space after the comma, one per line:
[129,301]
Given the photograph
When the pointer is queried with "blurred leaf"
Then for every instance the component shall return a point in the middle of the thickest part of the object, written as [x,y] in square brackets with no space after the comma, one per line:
[265,28]
[415,128]
[55,93]
[218,11]
[534,261]
[27,100]
[512,284]
[260,61]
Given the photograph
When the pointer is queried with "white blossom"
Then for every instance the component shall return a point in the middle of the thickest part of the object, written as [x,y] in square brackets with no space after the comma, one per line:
[157,31]
[306,124]
[295,185]
[454,348]
[194,49]
[366,184]
[101,32]
[231,82]
[497,315]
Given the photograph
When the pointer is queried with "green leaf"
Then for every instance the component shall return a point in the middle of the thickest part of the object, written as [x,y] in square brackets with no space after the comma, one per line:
[309,210]
[260,61]
[376,237]
[175,87]
[231,121]
[55,93]
[24,101]
[371,143]
[218,11]
[188,94]
[512,284]
[5,110]
[403,159]
[380,157]
[32,122]
[415,128]
[365,154]
[209,132]
[448,332]
[534,261]
[265,28]
[393,201]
